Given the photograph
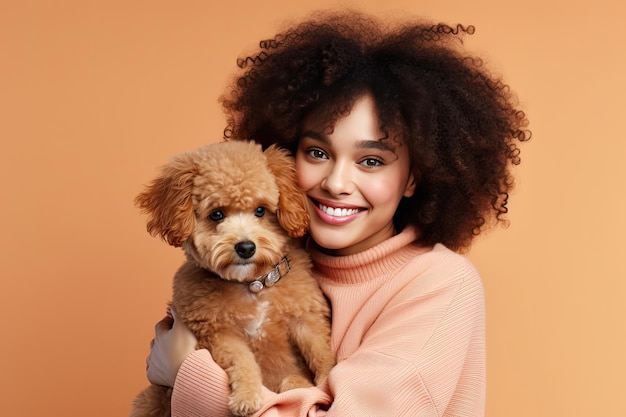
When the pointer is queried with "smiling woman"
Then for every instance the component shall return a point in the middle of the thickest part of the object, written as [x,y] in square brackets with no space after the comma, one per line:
[353,179]
[403,146]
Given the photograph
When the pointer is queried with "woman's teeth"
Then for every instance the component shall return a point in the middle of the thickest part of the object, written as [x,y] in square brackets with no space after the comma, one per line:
[337,212]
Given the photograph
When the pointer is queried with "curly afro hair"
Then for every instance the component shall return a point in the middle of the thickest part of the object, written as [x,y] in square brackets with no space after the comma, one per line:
[461,123]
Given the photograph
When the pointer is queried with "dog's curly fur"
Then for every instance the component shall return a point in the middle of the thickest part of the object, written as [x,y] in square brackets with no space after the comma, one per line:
[235,210]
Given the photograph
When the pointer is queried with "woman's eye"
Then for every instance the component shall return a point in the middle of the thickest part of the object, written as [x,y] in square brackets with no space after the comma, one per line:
[260,212]
[371,162]
[217,216]
[317,153]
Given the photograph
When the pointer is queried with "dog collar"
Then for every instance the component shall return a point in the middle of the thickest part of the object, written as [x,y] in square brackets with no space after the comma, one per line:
[281,269]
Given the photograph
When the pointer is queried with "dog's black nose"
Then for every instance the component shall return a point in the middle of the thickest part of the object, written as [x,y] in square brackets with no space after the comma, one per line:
[245,249]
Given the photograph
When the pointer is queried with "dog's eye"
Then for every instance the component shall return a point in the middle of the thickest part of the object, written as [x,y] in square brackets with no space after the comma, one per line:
[260,212]
[217,216]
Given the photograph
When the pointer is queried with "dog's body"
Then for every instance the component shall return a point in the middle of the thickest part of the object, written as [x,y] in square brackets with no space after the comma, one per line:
[246,291]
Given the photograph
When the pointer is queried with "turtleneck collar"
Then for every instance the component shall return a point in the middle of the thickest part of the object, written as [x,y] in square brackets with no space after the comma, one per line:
[377,261]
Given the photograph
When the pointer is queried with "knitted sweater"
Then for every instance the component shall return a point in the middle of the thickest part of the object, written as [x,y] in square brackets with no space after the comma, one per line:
[408,330]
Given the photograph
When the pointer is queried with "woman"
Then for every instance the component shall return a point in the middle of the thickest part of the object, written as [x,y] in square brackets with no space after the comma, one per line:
[403,146]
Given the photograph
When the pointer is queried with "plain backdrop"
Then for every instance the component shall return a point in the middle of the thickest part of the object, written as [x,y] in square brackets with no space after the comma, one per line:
[96,95]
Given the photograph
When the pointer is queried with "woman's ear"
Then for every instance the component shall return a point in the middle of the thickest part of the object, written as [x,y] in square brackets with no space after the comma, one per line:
[411,184]
[168,201]
[292,213]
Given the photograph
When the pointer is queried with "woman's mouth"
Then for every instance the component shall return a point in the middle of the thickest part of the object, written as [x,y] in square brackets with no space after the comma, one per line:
[337,212]
[336,215]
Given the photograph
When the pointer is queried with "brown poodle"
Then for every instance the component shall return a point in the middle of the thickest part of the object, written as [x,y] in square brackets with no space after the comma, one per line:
[245,290]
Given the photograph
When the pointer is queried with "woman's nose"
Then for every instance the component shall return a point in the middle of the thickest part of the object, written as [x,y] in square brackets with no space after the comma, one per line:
[339,179]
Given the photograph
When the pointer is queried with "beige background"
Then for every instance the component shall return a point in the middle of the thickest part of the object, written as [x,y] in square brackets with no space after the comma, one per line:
[95,95]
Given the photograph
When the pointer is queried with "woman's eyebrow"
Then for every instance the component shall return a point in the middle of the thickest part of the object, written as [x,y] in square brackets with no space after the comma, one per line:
[315,135]
[374,144]
[362,144]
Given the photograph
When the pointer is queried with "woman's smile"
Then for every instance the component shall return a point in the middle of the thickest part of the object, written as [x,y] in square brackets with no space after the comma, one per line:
[333,213]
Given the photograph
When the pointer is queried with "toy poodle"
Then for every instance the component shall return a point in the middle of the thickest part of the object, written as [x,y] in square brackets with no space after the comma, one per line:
[246,290]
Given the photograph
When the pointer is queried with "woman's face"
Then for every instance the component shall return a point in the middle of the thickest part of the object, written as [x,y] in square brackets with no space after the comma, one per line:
[353,180]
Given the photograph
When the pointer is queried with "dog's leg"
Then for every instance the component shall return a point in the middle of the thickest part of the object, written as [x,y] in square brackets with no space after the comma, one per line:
[312,336]
[231,352]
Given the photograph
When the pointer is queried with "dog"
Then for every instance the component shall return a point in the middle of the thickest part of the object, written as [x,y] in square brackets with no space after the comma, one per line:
[246,289]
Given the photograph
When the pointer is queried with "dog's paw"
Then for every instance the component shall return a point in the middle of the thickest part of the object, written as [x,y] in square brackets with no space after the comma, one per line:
[243,403]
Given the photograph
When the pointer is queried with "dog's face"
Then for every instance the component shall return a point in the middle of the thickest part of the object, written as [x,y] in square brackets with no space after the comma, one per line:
[230,205]
[237,234]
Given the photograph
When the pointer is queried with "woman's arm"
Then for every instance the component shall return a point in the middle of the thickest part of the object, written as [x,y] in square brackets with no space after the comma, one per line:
[202,389]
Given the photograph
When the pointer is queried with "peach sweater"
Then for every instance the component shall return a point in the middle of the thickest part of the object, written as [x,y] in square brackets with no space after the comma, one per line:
[409,332]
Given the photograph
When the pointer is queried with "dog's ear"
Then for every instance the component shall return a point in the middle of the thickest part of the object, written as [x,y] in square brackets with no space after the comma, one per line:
[292,214]
[168,202]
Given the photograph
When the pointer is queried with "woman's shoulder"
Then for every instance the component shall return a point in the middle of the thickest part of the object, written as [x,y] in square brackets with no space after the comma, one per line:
[440,267]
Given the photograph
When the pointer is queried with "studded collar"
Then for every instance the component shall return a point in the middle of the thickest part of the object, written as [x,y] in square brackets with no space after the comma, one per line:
[281,269]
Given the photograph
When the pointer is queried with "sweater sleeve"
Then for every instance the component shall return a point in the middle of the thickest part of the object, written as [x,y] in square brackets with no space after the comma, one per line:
[202,389]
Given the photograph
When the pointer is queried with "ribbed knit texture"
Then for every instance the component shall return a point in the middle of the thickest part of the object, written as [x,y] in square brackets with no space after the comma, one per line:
[408,329]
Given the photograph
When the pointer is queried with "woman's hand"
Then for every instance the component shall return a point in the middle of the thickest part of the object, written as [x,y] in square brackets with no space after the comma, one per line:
[172,343]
